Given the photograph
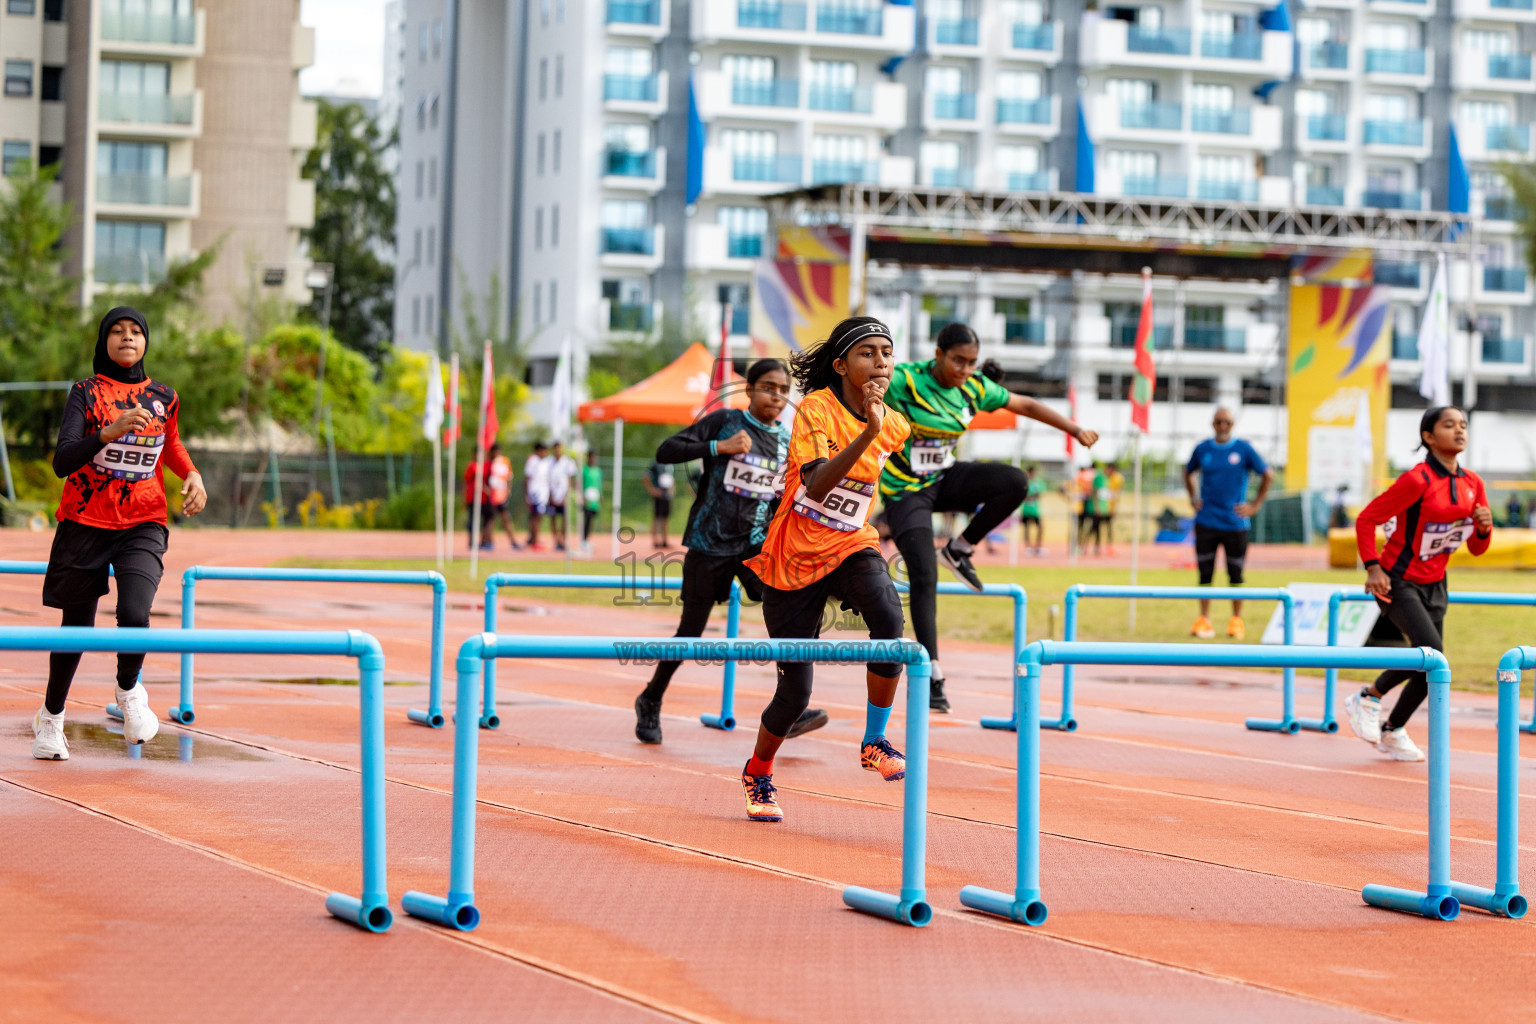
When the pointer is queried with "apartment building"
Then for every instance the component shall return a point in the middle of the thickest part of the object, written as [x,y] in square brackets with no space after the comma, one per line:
[175,127]
[651,130]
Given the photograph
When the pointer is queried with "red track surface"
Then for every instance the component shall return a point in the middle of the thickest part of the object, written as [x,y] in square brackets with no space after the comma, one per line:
[1194,870]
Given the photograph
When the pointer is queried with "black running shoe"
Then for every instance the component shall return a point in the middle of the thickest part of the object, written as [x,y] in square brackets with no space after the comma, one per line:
[961,566]
[936,699]
[647,719]
[810,720]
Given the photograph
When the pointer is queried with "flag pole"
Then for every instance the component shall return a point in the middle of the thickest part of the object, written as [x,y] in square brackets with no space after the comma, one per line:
[1143,345]
[450,490]
[1135,522]
[437,495]
[474,522]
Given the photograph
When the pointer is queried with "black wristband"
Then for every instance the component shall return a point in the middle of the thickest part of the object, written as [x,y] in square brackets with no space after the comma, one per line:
[1372,562]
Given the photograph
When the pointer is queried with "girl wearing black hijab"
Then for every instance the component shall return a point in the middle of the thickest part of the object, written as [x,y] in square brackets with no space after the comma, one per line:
[119,427]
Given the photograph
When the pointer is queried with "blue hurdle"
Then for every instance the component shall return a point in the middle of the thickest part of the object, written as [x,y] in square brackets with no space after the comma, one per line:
[726,719]
[910,906]
[1504,898]
[371,910]
[184,713]
[33,569]
[1330,680]
[1287,722]
[1438,901]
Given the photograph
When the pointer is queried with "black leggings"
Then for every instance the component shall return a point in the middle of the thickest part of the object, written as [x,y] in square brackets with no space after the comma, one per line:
[587,515]
[135,595]
[997,488]
[695,618]
[1418,610]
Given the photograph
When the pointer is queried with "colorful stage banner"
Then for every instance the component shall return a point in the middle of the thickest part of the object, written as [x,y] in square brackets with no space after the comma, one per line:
[1338,388]
[801,292]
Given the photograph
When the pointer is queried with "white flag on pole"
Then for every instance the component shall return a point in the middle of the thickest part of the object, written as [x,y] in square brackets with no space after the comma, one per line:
[560,396]
[901,337]
[432,415]
[1435,341]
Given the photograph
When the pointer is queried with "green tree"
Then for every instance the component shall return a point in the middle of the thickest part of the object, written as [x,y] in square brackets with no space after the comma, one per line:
[354,226]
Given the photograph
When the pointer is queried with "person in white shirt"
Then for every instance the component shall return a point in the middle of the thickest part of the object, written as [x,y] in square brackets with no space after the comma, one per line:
[536,490]
[561,468]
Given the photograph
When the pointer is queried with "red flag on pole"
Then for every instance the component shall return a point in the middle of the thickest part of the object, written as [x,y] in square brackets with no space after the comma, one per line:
[1145,378]
[720,379]
[451,432]
[489,426]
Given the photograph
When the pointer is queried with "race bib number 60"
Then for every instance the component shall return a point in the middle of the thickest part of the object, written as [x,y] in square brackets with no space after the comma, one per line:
[1443,538]
[844,509]
[130,457]
[752,476]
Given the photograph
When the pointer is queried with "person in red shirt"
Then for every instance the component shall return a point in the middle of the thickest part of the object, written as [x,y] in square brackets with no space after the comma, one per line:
[1427,514]
[472,472]
[118,429]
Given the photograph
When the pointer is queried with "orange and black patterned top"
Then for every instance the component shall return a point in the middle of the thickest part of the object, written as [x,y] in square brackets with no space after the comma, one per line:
[117,484]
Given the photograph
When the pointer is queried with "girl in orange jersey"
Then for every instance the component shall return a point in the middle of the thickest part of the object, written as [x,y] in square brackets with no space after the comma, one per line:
[821,545]
[119,428]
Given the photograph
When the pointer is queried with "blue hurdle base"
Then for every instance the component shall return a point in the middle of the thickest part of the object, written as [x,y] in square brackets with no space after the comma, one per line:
[376,918]
[915,912]
[1059,724]
[462,916]
[430,719]
[1409,901]
[1496,901]
[1287,725]
[726,723]
[1025,911]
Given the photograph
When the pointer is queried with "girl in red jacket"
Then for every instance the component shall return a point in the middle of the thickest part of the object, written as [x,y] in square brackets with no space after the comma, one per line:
[1427,514]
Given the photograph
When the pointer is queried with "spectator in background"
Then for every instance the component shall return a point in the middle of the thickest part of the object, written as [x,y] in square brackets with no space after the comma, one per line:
[1530,514]
[1115,481]
[561,469]
[499,488]
[1223,511]
[1513,511]
[591,499]
[536,490]
[1029,513]
[479,473]
[660,484]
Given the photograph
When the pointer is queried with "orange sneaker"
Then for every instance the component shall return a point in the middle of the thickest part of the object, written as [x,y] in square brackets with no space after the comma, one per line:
[1235,628]
[881,757]
[762,798]
[1202,628]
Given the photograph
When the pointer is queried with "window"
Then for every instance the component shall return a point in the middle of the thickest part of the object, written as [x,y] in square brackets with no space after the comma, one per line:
[432,246]
[538,228]
[560,11]
[544,17]
[53,83]
[18,78]
[50,156]
[625,213]
[543,78]
[131,77]
[1225,168]
[421,43]
[1484,112]
[26,8]
[1312,31]
[431,314]
[1391,35]
[432,176]
[1132,163]
[944,81]
[838,149]
[416,247]
[53,10]
[750,142]
[416,315]
[1381,106]
[1487,40]
[137,158]
[420,177]
[1314,102]
[437,37]
[539,159]
[1018,85]
[627,138]
[748,69]
[1385,179]
[554,226]
[1205,96]
[1217,23]
[834,75]
[554,153]
[941,164]
[559,74]
[630,61]
[433,110]
[1023,12]
[554,301]
[1018,159]
[421,114]
[13,155]
[129,250]
[538,303]
[1131,92]
[744,227]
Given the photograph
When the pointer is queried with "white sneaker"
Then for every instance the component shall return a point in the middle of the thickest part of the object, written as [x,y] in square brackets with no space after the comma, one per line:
[48,742]
[1364,713]
[139,723]
[1396,745]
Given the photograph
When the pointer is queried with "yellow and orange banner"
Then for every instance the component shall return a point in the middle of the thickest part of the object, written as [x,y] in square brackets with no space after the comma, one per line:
[801,292]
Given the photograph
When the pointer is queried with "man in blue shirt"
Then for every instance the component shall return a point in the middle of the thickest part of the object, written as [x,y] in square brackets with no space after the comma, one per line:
[1222,511]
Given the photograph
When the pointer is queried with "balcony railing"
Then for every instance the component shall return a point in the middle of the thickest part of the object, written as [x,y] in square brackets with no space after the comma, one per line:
[1327,127]
[955,31]
[1017,111]
[626,163]
[144,189]
[849,20]
[1122,334]
[636,88]
[1227,121]
[1394,133]
[1513,138]
[1503,279]
[954,106]
[141,108]
[842,172]
[1512,5]
[765,92]
[1325,195]
[1397,275]
[1024,332]
[138,266]
[1503,350]
[1332,54]
[1171,41]
[1502,208]
[949,177]
[1211,338]
[1165,116]
[844,99]
[630,241]
[743,246]
[1034,37]
[1384,199]
[778,169]
[770,14]
[1162,186]
[167,29]
[1225,189]
[1238,46]
[1515,66]
[1395,62]
[638,317]
[634,12]
[1029,181]
[1405,346]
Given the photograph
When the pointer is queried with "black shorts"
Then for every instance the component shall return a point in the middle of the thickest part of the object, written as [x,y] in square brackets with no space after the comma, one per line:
[77,564]
[1233,542]
[1029,519]
[662,508]
[862,582]
[707,578]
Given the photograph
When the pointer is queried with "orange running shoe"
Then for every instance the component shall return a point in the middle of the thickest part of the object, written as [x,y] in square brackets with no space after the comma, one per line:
[1235,628]
[762,798]
[881,757]
[1202,628]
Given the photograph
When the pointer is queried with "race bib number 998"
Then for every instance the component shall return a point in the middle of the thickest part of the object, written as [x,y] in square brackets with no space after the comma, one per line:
[844,509]
[932,454]
[1443,538]
[752,476]
[130,457]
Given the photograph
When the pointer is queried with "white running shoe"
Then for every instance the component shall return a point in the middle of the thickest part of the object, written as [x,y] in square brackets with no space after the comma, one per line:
[139,723]
[1364,712]
[1396,745]
[48,742]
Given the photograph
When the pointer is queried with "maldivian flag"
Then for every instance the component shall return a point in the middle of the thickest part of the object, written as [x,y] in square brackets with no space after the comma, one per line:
[451,434]
[489,425]
[1071,414]
[432,410]
[1146,374]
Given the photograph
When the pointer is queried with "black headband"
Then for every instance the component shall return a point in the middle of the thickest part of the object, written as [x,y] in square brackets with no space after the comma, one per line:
[859,333]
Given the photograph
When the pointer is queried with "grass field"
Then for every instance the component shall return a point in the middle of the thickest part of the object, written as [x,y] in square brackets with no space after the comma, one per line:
[1476,636]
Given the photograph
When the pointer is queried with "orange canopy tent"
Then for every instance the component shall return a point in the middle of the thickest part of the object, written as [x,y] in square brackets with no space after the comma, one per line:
[679,393]
[997,419]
